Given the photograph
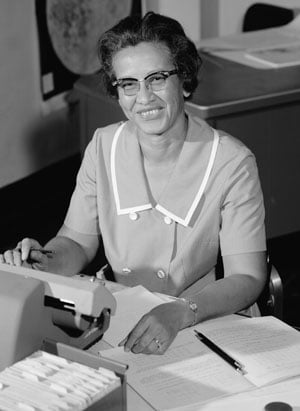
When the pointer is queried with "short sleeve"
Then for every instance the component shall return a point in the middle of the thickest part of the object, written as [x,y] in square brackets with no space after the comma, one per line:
[82,215]
[242,213]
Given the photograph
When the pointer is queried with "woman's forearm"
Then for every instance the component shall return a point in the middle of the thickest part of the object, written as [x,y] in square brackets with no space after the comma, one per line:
[227,296]
[68,257]
[244,278]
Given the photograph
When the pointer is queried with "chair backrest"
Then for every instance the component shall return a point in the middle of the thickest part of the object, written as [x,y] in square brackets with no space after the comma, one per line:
[270,301]
[262,16]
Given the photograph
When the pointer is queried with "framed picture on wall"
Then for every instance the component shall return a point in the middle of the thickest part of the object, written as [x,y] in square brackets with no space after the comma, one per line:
[68,32]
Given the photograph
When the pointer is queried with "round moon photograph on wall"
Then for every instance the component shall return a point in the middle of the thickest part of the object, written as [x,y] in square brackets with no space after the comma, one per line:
[75,26]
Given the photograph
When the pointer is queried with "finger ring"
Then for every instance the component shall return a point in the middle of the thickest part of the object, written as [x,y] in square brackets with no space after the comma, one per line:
[157,342]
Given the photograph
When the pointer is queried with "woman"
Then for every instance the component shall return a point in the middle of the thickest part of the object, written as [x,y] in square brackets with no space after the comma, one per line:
[164,190]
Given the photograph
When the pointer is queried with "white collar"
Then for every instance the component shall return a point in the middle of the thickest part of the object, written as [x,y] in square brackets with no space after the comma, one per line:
[128,179]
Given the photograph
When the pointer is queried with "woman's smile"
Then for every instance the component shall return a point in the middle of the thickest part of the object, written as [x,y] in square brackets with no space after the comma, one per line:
[150,114]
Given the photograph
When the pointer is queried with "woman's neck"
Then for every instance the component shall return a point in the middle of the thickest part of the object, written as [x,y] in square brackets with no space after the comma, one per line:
[163,149]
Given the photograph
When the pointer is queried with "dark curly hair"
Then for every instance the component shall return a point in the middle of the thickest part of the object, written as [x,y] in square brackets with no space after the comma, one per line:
[152,28]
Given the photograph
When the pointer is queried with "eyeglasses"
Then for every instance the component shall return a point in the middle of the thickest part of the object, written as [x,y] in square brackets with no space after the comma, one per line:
[154,81]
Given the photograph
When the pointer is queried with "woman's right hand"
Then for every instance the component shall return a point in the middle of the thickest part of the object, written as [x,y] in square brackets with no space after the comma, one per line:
[27,254]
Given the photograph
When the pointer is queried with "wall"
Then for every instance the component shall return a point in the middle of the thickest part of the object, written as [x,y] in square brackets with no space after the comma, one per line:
[187,12]
[209,18]
[29,139]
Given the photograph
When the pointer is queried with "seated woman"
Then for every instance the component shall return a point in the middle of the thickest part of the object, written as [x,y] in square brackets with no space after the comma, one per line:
[164,190]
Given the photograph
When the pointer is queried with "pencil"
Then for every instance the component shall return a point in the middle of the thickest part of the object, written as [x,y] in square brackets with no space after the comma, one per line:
[43,251]
[216,349]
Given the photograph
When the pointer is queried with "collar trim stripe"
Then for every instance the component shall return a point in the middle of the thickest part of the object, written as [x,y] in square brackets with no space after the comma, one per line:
[113,166]
[171,215]
[205,178]
[186,220]
[120,210]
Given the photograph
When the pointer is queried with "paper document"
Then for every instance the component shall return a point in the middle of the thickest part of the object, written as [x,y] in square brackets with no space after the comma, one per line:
[267,347]
[283,56]
[132,304]
[190,373]
[287,392]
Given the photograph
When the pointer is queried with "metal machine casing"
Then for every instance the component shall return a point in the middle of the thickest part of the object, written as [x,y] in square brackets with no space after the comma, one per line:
[26,319]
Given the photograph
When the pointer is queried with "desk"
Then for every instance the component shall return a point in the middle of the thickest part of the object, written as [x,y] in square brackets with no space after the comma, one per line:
[260,107]
[286,391]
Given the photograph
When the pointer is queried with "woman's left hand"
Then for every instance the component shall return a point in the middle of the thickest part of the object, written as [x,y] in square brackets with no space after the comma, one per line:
[157,329]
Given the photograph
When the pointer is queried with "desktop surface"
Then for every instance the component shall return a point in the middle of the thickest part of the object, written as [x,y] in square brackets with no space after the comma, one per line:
[226,87]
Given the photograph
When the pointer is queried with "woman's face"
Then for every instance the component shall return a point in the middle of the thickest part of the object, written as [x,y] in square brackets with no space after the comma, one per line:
[153,112]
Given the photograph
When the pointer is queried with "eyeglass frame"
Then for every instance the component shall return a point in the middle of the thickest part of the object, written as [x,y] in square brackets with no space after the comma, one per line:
[165,73]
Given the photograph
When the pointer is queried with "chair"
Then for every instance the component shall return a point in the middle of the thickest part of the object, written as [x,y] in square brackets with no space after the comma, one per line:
[262,16]
[270,301]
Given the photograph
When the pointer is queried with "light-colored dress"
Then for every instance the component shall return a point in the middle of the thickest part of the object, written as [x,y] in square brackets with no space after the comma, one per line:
[213,200]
